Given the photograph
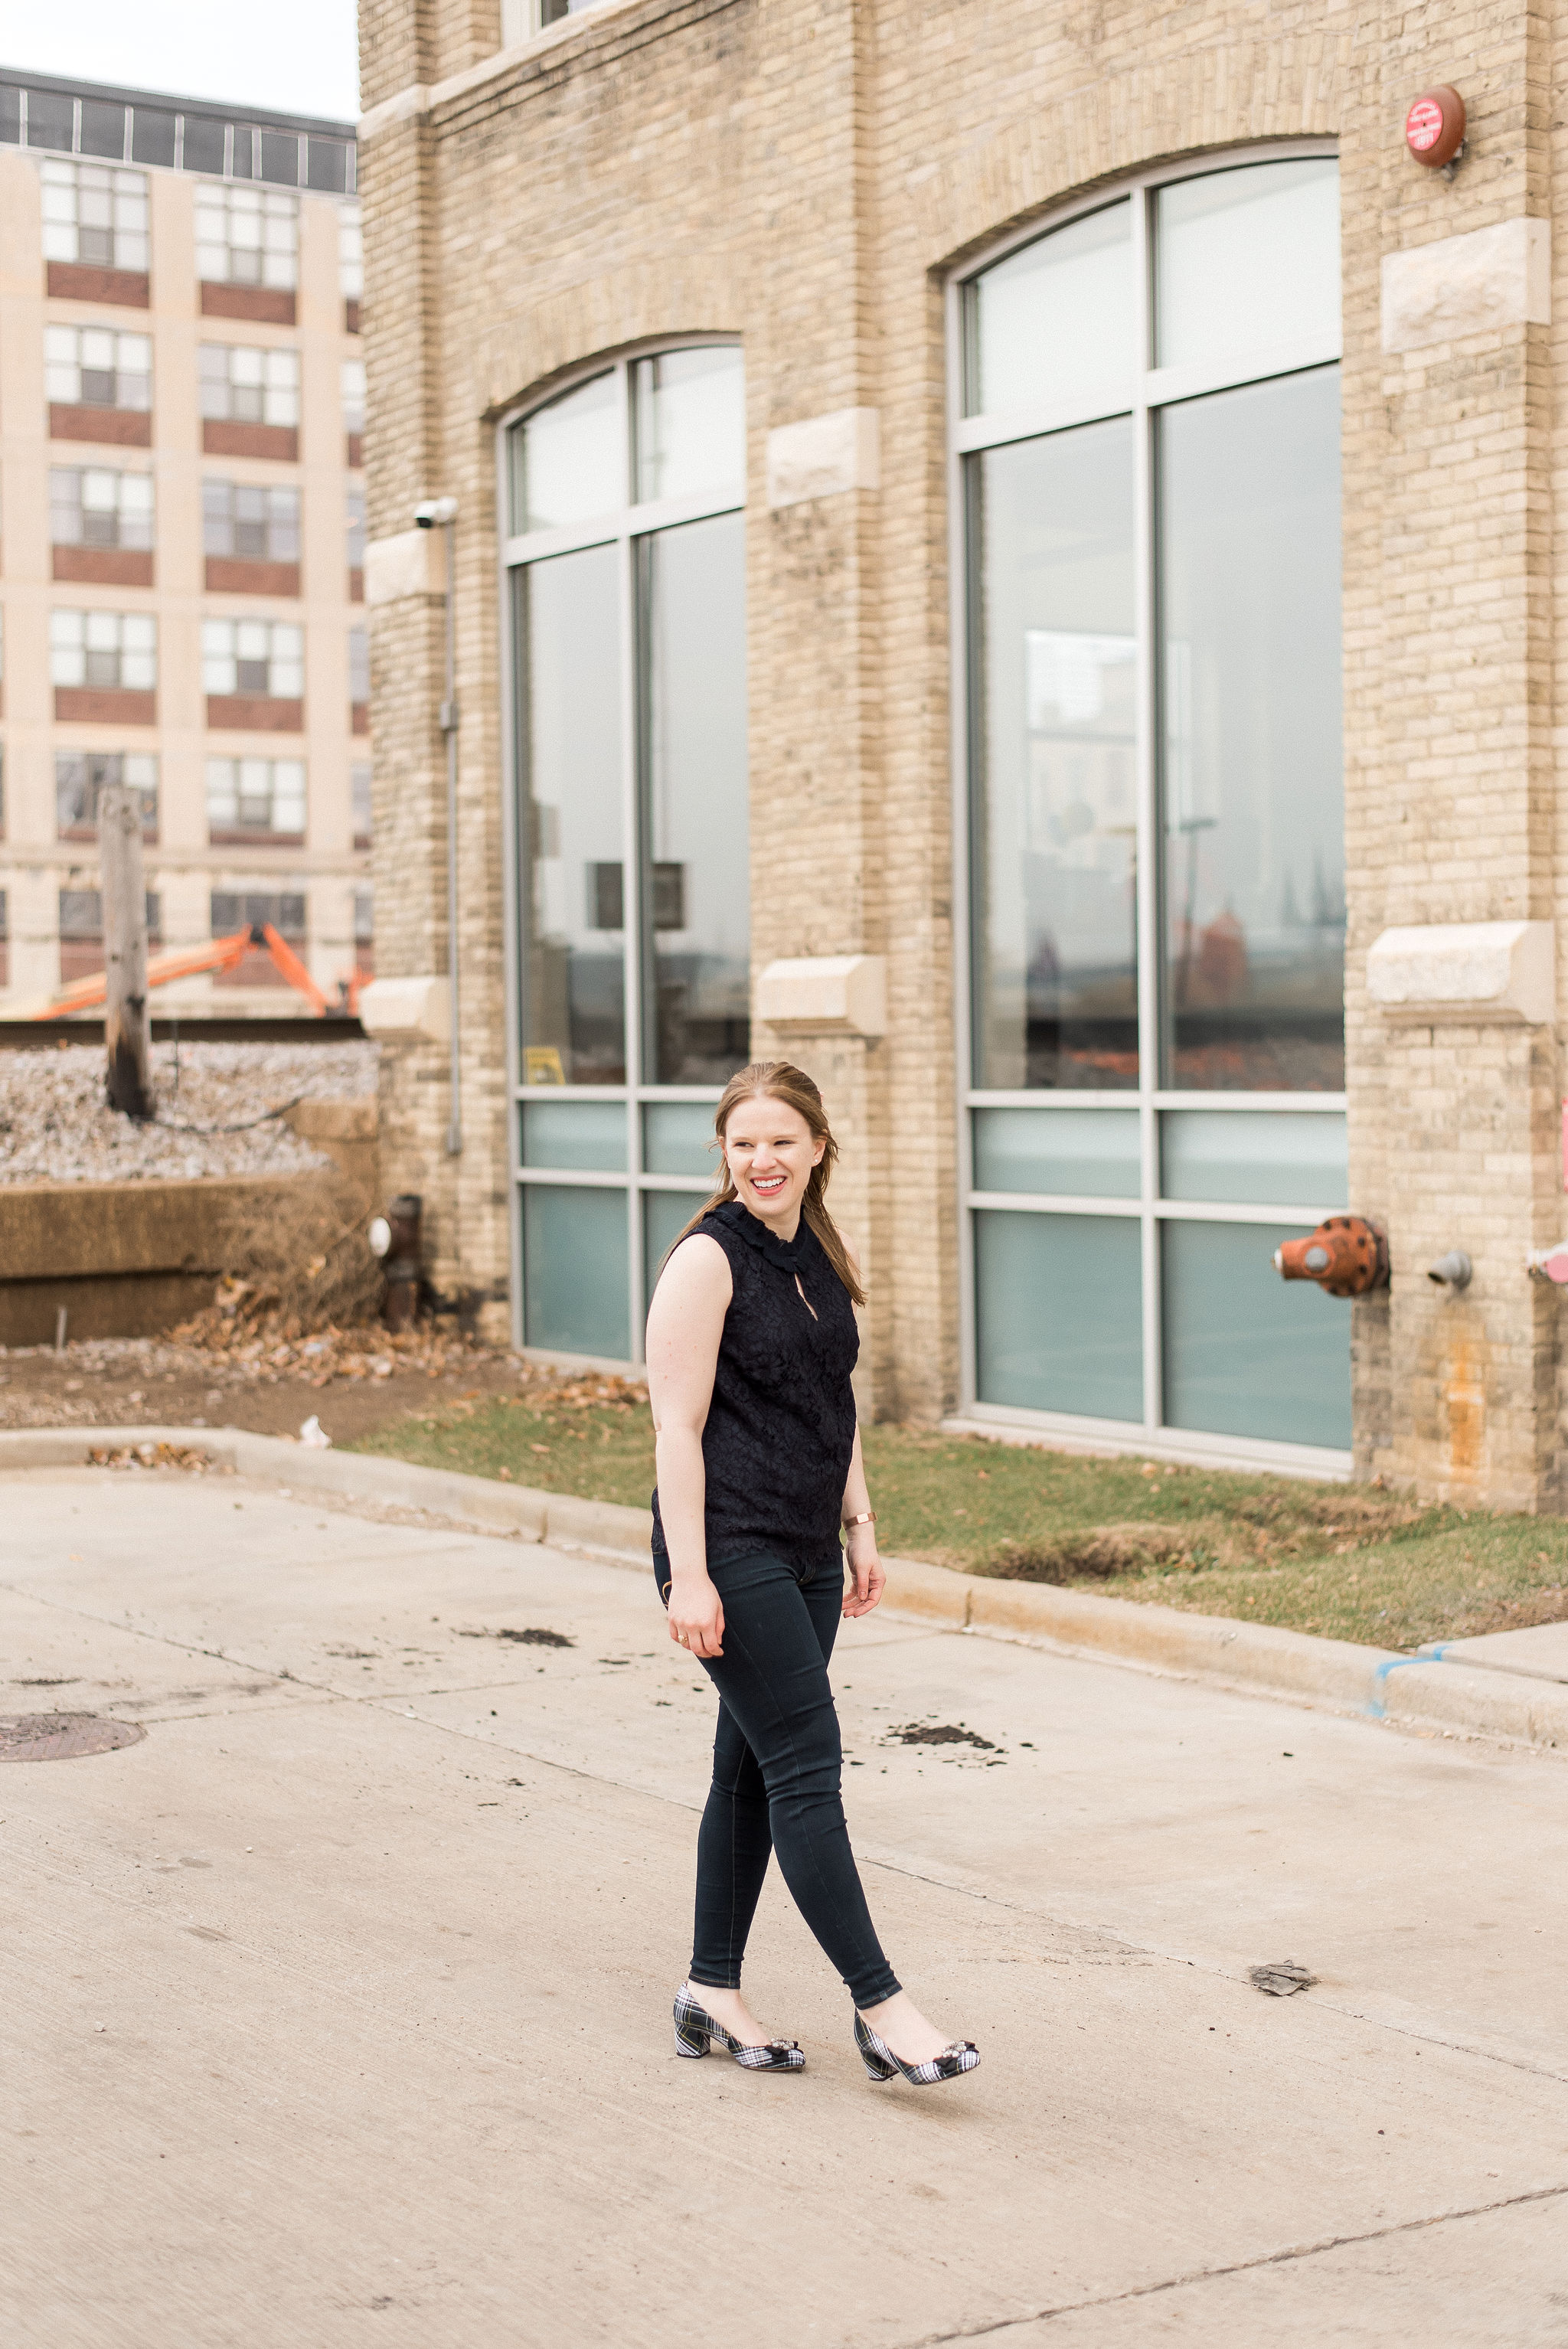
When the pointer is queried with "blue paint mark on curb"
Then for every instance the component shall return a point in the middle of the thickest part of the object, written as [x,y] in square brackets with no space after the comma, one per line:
[1378,1709]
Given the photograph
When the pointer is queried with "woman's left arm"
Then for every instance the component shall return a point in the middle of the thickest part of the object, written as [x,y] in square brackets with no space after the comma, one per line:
[861,1541]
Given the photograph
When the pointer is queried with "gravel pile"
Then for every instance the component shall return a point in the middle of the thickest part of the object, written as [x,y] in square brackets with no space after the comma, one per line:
[55,1127]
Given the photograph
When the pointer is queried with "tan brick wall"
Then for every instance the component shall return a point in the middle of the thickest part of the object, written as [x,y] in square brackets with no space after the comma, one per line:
[806,173]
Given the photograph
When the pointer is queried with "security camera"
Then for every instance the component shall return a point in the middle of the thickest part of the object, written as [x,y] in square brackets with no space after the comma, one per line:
[433,510]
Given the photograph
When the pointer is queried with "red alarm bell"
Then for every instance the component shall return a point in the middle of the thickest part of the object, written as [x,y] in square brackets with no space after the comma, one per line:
[1434,126]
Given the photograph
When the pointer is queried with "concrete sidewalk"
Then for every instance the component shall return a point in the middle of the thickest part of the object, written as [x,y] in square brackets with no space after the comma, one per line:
[337,2010]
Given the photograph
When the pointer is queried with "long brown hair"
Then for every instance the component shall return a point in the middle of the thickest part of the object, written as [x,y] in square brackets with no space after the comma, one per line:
[781,1081]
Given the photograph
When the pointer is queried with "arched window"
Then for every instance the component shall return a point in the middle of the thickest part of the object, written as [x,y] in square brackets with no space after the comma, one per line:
[1149,453]
[627,570]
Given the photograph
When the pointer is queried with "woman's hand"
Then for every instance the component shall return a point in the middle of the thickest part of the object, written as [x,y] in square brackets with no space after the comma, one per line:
[866,1568]
[696,1615]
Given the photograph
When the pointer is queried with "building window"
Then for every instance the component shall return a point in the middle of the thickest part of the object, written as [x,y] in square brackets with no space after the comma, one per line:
[352,380]
[81,931]
[5,940]
[635,995]
[250,524]
[350,253]
[90,505]
[95,216]
[359,665]
[356,517]
[82,775]
[96,367]
[104,650]
[247,236]
[243,386]
[364,933]
[1148,462]
[256,795]
[362,805]
[230,911]
[263,657]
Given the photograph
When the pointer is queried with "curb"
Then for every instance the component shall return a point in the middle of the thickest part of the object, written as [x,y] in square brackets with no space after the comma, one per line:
[561,1518]
[1427,1691]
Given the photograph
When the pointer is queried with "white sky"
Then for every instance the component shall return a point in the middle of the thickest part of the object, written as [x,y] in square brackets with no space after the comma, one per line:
[292,57]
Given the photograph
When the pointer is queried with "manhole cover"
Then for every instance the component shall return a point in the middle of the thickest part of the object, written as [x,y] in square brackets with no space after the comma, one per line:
[60,1736]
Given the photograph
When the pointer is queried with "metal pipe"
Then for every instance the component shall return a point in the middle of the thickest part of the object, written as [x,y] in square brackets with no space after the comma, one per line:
[449,729]
[431,513]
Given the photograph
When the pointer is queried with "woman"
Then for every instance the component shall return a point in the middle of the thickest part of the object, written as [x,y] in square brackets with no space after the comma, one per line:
[751,1339]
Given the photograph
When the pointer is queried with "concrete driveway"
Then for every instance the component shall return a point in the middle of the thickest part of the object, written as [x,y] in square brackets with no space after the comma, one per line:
[336,2010]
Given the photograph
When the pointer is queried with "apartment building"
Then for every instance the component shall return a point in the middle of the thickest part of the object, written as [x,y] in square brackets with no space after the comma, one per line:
[181,533]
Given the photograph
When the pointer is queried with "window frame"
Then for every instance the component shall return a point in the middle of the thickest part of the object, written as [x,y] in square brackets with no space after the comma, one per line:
[621,526]
[1149,389]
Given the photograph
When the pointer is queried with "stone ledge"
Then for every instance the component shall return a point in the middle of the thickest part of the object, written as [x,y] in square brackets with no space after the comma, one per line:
[1465,971]
[825,994]
[1254,1658]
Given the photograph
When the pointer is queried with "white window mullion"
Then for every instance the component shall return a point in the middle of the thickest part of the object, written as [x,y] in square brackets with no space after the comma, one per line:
[632,880]
[1149,877]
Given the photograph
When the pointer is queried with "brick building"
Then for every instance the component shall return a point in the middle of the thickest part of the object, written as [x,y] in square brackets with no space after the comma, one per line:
[183,521]
[1016,549]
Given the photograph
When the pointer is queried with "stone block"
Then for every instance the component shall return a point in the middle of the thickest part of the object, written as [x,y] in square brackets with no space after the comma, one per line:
[825,994]
[1465,971]
[401,1009]
[411,563]
[1469,284]
[823,455]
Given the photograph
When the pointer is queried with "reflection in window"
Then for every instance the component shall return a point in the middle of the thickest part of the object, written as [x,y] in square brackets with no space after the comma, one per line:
[1055,772]
[574,1018]
[693,584]
[1254,888]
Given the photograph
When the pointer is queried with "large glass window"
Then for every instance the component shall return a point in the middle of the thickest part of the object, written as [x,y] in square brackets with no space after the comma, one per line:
[1150,476]
[627,559]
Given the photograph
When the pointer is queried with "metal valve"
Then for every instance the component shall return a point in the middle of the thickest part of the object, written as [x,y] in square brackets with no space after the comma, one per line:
[1346,1256]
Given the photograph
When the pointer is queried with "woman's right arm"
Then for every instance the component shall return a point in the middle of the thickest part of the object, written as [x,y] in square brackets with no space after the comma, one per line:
[685,1322]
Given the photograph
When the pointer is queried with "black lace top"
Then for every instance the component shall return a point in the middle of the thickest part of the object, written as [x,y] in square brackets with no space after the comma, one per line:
[781,1425]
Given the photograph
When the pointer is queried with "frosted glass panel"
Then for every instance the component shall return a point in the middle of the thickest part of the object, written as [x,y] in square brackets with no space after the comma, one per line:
[1055,322]
[1247,1353]
[1085,1152]
[568,462]
[574,1271]
[1248,258]
[690,413]
[665,1213]
[1058,1313]
[678,1139]
[1268,1161]
[574,1133]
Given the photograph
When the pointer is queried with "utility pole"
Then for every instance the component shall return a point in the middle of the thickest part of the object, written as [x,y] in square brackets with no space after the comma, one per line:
[126,1033]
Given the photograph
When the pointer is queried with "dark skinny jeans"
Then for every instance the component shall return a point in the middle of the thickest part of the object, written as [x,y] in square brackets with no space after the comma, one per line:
[776,1768]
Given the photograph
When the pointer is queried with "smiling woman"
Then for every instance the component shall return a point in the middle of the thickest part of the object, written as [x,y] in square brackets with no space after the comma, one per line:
[750,1346]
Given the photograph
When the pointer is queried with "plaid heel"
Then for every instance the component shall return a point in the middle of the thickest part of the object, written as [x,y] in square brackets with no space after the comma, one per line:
[697,2034]
[881,2064]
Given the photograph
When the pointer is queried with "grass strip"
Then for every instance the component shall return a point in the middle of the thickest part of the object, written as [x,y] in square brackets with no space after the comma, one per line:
[1349,1562]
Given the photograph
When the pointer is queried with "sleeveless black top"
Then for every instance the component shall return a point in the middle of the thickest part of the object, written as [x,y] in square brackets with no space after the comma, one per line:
[781,1425]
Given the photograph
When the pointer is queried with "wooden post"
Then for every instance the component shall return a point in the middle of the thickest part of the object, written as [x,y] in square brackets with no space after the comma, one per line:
[127,1030]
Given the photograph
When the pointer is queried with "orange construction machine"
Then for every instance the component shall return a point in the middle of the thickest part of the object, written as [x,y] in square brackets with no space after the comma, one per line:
[223,954]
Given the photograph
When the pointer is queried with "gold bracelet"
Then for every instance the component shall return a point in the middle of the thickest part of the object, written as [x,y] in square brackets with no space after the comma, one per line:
[866,1517]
